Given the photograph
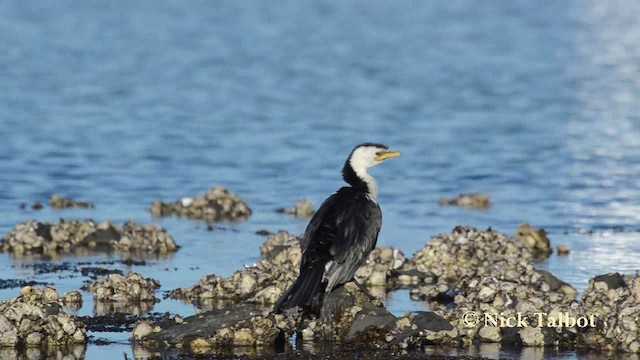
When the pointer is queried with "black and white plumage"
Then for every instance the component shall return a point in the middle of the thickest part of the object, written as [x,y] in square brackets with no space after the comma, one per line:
[341,233]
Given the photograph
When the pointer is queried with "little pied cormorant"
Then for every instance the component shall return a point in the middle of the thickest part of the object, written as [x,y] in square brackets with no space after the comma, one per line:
[342,233]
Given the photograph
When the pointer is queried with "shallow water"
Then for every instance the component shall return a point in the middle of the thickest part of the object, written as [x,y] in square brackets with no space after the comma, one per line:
[122,103]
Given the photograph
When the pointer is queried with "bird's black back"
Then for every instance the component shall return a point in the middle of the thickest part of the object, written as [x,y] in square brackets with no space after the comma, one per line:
[342,233]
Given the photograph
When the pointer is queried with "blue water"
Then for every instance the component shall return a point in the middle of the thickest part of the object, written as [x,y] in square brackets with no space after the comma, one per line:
[122,103]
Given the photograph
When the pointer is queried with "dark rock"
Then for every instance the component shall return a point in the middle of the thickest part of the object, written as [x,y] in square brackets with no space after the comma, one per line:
[102,237]
[613,280]
[553,282]
[201,325]
[431,321]
[370,316]
[44,231]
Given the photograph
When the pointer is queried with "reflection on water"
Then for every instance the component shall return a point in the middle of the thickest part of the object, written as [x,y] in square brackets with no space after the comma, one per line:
[135,308]
[76,351]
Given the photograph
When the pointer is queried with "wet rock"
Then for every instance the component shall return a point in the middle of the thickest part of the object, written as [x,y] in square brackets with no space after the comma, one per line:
[241,324]
[275,272]
[414,331]
[216,205]
[614,302]
[485,272]
[477,200]
[563,249]
[120,289]
[67,236]
[262,283]
[302,209]
[346,313]
[534,239]
[609,281]
[469,253]
[28,320]
[58,202]
[147,238]
[72,300]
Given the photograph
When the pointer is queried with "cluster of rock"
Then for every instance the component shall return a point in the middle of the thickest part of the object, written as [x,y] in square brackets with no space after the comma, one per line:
[35,318]
[614,301]
[477,200]
[485,273]
[119,288]
[302,209]
[275,272]
[59,202]
[480,285]
[262,283]
[65,236]
[347,315]
[216,205]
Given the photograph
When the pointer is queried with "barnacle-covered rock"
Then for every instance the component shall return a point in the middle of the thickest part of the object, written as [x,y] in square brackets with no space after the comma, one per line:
[59,202]
[118,293]
[72,300]
[614,301]
[477,200]
[216,205]
[35,318]
[470,253]
[302,209]
[238,325]
[69,235]
[485,272]
[534,239]
[381,268]
[275,272]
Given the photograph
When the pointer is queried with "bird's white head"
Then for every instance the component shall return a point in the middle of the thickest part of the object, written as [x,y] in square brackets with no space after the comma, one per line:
[363,157]
[368,155]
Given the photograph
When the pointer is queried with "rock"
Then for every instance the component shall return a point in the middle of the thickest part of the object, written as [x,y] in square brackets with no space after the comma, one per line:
[532,336]
[534,239]
[29,320]
[216,205]
[490,334]
[58,202]
[563,249]
[609,281]
[275,272]
[67,236]
[477,200]
[130,289]
[72,300]
[302,209]
[414,331]
[142,330]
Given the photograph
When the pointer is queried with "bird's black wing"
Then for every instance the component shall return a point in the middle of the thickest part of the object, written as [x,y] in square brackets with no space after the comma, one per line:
[358,223]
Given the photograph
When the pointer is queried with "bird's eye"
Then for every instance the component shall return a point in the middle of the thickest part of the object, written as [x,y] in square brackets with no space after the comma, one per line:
[378,153]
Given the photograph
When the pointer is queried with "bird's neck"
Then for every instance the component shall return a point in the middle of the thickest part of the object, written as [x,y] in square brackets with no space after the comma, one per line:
[360,180]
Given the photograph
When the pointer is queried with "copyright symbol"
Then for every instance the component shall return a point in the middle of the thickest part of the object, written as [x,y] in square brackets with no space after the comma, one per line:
[470,319]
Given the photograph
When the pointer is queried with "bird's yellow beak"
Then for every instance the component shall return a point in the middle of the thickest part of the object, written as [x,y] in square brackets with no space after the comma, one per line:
[386,154]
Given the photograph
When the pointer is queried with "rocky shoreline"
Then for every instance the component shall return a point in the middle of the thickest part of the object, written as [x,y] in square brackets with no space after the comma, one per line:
[481,285]
[478,283]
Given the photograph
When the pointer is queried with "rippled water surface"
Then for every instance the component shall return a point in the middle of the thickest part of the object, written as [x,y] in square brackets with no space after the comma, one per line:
[122,103]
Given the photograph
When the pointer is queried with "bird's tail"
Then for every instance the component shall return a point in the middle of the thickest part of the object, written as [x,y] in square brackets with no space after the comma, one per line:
[303,291]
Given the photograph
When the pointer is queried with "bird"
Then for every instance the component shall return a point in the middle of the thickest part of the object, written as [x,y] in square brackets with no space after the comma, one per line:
[342,233]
